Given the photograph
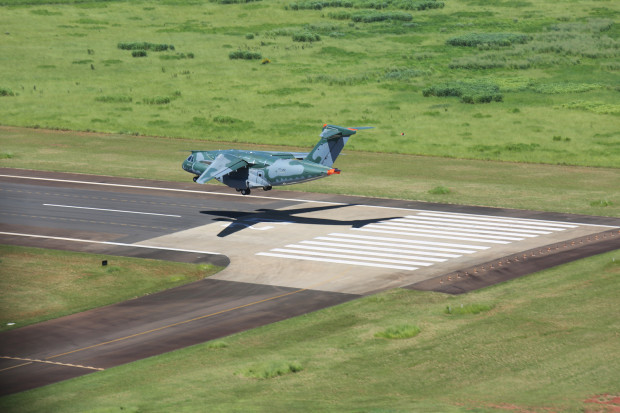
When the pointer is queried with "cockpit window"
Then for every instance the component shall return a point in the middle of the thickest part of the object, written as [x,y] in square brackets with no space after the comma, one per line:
[191,158]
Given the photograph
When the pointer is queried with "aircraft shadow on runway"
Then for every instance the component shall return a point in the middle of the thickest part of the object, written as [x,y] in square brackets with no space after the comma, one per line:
[242,220]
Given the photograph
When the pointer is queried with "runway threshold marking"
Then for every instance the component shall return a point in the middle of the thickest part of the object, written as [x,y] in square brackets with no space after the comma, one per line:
[340,275]
[111,210]
[476,231]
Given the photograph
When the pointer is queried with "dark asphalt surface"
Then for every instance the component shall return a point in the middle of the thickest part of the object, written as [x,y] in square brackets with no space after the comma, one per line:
[144,327]
[191,314]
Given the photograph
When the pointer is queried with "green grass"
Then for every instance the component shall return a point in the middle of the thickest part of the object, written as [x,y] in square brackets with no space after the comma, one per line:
[40,284]
[548,343]
[399,332]
[554,62]
[570,189]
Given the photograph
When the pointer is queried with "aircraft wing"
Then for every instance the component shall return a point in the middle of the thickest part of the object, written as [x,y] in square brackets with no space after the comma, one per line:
[223,164]
[296,155]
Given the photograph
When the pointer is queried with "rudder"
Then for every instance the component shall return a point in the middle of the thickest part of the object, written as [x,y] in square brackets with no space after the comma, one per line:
[333,139]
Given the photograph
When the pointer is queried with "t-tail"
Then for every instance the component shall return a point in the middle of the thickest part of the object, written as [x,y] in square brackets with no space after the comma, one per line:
[333,139]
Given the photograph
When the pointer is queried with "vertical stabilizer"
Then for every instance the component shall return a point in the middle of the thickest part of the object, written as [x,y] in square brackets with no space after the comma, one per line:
[333,139]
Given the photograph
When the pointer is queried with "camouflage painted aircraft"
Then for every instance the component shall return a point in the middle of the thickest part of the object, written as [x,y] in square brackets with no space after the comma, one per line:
[244,170]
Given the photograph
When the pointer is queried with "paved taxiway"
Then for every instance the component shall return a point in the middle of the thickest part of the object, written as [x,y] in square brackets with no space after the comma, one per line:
[289,253]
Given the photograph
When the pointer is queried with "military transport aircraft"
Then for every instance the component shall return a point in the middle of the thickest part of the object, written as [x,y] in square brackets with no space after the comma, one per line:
[244,170]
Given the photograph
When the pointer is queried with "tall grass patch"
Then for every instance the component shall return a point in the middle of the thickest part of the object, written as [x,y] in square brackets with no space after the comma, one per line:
[270,370]
[244,55]
[399,332]
[490,39]
[469,92]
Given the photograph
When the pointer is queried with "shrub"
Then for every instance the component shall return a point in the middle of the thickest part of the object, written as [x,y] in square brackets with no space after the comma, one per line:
[371,17]
[339,15]
[6,92]
[158,100]
[439,190]
[138,53]
[399,332]
[244,54]
[225,120]
[177,56]
[235,1]
[419,5]
[306,36]
[270,370]
[474,92]
[114,99]
[495,39]
[154,47]
[318,5]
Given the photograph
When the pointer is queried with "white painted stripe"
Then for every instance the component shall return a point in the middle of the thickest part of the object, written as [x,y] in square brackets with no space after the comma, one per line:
[112,210]
[264,197]
[347,256]
[435,222]
[177,190]
[470,239]
[364,264]
[351,244]
[475,217]
[366,251]
[475,224]
[416,248]
[440,234]
[120,244]
[410,241]
[458,230]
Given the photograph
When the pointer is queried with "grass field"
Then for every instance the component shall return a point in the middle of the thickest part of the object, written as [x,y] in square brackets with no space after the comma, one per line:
[545,342]
[40,284]
[552,64]
[504,103]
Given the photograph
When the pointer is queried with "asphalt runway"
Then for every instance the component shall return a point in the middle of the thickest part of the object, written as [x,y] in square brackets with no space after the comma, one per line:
[287,253]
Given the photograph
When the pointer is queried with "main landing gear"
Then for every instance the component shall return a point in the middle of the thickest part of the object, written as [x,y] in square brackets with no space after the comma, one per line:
[267,188]
[195,178]
[244,191]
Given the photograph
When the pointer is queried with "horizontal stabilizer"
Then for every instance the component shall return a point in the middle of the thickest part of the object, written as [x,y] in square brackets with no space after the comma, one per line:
[222,165]
[334,132]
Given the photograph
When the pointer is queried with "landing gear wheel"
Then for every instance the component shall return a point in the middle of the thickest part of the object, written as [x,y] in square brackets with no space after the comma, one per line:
[195,178]
[245,191]
[238,189]
[267,188]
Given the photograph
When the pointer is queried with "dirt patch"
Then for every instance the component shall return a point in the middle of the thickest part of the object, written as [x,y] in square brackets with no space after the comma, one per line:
[603,403]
